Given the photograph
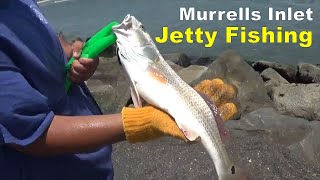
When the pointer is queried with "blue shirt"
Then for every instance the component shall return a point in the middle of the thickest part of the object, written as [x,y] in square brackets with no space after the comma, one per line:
[32,91]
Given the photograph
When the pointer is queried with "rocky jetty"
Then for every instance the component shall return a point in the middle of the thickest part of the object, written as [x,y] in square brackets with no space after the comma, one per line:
[275,135]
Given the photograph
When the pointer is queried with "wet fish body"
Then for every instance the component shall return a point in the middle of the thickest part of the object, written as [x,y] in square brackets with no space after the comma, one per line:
[154,81]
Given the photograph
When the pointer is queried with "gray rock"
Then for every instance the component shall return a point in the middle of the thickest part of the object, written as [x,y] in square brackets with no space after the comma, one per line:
[174,66]
[191,73]
[286,71]
[252,93]
[272,79]
[308,73]
[110,86]
[178,58]
[301,100]
[203,61]
[309,147]
[279,128]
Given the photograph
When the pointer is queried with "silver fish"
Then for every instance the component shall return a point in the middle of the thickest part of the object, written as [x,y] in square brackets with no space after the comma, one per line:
[153,80]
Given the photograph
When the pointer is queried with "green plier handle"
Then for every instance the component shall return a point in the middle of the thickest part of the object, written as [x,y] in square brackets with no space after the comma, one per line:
[93,47]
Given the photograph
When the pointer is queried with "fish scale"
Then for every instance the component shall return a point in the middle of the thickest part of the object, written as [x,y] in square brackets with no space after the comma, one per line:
[195,104]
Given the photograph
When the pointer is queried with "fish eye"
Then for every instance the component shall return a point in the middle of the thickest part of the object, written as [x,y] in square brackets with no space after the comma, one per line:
[141,26]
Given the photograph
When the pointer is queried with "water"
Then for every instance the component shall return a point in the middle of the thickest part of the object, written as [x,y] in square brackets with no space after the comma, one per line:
[84,17]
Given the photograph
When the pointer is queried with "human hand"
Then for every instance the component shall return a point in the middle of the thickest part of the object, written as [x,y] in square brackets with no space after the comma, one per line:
[148,123]
[222,94]
[82,68]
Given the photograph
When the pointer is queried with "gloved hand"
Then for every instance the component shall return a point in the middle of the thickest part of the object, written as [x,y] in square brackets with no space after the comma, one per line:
[221,94]
[147,123]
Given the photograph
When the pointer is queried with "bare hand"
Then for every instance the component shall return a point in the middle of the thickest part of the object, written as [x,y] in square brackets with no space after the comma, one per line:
[82,69]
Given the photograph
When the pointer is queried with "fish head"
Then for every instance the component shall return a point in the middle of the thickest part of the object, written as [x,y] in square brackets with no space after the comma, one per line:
[135,46]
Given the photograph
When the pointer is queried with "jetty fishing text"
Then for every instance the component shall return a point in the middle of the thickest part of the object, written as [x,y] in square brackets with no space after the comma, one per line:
[244,34]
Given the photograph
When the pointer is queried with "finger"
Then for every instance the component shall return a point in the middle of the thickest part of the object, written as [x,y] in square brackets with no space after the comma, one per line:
[75,76]
[89,63]
[74,79]
[78,67]
[169,127]
[204,87]
[223,93]
[228,111]
[77,48]
[217,81]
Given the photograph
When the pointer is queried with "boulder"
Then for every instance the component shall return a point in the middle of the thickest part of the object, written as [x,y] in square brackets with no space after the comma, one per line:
[309,147]
[279,128]
[286,71]
[272,79]
[110,86]
[203,61]
[174,66]
[191,73]
[229,66]
[180,59]
[300,100]
[308,73]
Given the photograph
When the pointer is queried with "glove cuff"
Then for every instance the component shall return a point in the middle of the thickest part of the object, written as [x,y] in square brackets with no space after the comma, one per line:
[137,124]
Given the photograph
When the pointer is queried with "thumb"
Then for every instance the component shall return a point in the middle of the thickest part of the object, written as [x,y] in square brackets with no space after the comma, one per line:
[77,48]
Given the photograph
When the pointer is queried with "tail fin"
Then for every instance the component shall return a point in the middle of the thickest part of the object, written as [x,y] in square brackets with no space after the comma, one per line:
[236,174]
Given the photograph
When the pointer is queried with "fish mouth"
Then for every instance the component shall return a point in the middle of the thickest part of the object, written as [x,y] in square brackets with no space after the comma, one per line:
[127,19]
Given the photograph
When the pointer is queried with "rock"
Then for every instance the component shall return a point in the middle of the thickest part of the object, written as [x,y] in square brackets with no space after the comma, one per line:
[279,128]
[309,147]
[250,62]
[191,73]
[178,58]
[308,73]
[286,71]
[300,100]
[252,93]
[110,86]
[272,79]
[203,61]
[174,66]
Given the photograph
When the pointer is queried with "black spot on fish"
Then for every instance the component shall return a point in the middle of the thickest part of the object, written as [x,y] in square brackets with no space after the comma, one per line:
[233,170]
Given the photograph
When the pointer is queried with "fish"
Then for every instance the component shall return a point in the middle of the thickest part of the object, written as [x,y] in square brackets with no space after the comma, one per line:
[154,81]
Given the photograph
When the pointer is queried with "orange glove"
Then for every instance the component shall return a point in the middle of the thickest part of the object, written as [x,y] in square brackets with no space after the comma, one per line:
[147,123]
[220,93]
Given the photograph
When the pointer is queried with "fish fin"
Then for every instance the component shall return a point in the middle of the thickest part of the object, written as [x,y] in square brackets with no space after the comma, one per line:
[157,75]
[190,134]
[224,134]
[137,102]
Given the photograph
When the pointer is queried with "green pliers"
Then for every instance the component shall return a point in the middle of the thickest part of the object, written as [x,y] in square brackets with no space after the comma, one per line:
[93,47]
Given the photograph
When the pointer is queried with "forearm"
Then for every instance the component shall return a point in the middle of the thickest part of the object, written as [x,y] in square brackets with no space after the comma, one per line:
[75,134]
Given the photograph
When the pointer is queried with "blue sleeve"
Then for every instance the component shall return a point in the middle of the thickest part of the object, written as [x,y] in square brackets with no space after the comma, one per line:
[24,112]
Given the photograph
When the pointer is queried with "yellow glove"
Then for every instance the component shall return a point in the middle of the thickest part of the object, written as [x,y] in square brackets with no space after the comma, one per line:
[220,93]
[147,123]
